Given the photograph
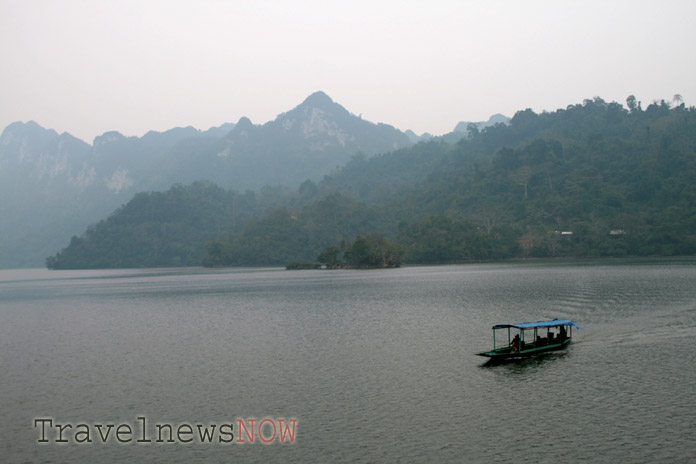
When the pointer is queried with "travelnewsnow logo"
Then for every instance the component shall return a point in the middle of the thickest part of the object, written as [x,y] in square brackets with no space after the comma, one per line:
[251,430]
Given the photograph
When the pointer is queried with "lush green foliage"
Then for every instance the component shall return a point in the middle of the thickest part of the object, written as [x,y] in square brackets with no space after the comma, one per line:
[372,251]
[282,236]
[593,179]
[52,185]
[302,265]
[158,229]
[589,169]
[441,239]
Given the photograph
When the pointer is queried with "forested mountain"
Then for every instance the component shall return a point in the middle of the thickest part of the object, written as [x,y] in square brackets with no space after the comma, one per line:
[594,179]
[590,169]
[160,228]
[53,185]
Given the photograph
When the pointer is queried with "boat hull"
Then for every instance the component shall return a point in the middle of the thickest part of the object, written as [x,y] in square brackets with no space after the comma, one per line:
[508,353]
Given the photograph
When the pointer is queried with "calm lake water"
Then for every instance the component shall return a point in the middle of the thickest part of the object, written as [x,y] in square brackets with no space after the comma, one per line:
[376,366]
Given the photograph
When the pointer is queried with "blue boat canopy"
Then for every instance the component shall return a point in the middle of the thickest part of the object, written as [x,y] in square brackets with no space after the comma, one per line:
[531,325]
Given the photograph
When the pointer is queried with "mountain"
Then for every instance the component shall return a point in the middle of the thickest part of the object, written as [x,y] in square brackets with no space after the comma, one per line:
[492,121]
[309,141]
[40,171]
[53,185]
[160,229]
[590,180]
[462,127]
[415,138]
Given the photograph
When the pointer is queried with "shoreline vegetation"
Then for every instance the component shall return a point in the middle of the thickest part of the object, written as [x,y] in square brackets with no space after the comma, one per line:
[372,252]
[560,260]
[593,180]
[580,261]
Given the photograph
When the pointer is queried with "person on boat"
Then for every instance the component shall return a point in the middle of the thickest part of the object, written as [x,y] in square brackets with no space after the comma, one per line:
[563,335]
[516,343]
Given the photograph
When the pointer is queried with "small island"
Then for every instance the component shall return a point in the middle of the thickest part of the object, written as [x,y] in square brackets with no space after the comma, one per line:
[301,265]
[371,252]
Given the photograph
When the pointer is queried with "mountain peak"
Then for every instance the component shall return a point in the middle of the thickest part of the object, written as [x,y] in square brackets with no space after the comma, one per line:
[318,99]
[30,127]
[493,120]
[18,133]
[244,123]
[108,137]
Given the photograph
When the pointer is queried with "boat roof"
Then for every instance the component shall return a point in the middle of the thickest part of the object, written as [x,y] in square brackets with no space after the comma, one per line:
[531,325]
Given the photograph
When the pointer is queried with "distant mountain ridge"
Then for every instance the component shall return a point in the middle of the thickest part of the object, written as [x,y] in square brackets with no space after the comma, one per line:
[493,120]
[308,141]
[53,185]
[590,180]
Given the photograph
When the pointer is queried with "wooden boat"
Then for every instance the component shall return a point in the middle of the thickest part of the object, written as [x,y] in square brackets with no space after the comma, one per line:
[530,339]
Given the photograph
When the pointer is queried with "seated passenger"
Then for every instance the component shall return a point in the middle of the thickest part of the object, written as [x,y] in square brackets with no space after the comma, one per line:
[563,335]
[516,343]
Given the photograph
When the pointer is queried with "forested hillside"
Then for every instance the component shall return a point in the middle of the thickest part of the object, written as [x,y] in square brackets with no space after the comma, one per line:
[53,185]
[159,229]
[594,179]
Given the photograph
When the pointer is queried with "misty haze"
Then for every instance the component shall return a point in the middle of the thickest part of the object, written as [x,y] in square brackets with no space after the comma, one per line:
[282,231]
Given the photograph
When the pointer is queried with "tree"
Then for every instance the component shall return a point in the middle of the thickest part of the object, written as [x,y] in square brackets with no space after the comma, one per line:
[308,189]
[358,254]
[329,257]
[632,104]
[472,130]
[521,177]
[373,251]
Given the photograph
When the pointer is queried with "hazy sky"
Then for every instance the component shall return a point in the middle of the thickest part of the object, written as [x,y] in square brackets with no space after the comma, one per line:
[86,67]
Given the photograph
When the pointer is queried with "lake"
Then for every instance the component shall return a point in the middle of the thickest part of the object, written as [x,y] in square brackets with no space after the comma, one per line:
[374,366]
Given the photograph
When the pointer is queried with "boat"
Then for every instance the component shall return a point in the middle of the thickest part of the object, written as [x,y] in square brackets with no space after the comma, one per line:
[530,339]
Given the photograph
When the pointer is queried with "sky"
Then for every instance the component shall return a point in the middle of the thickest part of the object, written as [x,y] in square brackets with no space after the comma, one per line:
[88,67]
